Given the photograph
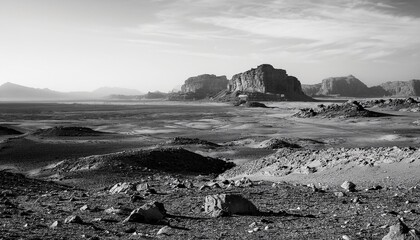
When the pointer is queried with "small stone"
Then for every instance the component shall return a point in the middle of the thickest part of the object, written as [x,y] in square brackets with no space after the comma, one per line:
[345,237]
[56,224]
[113,210]
[135,198]
[142,187]
[130,230]
[84,208]
[73,219]
[164,231]
[204,187]
[339,194]
[349,186]
[214,185]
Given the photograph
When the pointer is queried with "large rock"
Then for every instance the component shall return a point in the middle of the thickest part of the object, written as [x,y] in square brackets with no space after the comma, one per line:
[121,188]
[152,213]
[402,88]
[267,80]
[228,204]
[400,231]
[350,86]
[205,85]
[311,89]
[343,86]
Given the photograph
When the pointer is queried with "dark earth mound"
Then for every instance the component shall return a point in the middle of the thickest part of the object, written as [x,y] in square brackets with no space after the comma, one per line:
[276,143]
[67,132]
[346,110]
[8,131]
[171,160]
[191,141]
[255,105]
[18,184]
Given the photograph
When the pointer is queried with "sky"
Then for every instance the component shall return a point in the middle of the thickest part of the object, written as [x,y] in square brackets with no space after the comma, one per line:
[149,45]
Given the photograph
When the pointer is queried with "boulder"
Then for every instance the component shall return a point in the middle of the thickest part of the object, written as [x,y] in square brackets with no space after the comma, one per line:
[243,182]
[56,224]
[121,187]
[73,219]
[152,213]
[349,186]
[400,231]
[228,204]
[142,187]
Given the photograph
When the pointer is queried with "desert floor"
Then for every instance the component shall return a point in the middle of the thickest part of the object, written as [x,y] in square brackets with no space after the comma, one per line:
[361,150]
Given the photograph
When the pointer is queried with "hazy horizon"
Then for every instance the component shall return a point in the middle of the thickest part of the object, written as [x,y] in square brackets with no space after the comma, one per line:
[154,45]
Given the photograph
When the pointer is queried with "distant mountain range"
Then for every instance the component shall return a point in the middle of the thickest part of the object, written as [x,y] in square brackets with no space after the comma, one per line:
[14,92]
[350,86]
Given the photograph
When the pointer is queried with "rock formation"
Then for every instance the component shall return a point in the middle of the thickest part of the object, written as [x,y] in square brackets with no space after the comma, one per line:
[264,83]
[350,86]
[268,80]
[402,88]
[343,86]
[311,90]
[204,85]
[228,204]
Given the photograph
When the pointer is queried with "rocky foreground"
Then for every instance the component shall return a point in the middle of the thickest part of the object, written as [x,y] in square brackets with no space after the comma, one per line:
[172,208]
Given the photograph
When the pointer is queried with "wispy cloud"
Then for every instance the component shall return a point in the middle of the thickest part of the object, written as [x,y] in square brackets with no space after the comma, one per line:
[359,27]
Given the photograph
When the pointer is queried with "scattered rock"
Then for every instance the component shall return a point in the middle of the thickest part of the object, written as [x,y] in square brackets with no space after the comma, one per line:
[73,219]
[56,224]
[142,187]
[339,194]
[135,198]
[228,204]
[164,231]
[121,187]
[84,208]
[243,182]
[349,186]
[204,187]
[152,213]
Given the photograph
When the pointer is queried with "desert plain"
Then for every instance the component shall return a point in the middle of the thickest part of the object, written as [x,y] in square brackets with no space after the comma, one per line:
[62,159]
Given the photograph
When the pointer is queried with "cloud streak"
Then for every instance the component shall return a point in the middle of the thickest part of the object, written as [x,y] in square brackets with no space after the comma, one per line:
[359,27]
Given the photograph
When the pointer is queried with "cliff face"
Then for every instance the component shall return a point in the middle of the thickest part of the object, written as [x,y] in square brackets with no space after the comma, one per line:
[352,87]
[267,80]
[205,84]
[343,86]
[311,90]
[402,88]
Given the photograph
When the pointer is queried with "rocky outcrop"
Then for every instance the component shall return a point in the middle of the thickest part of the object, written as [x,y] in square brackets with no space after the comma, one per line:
[350,86]
[402,88]
[228,204]
[343,86]
[311,90]
[268,80]
[205,85]
[264,83]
